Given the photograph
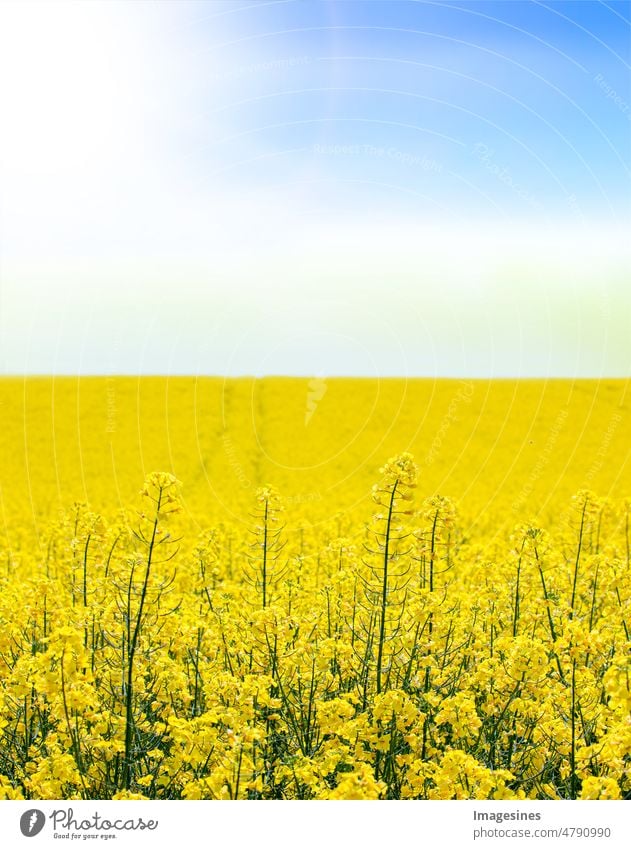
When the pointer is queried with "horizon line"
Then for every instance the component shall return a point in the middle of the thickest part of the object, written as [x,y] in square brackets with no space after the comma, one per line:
[192,376]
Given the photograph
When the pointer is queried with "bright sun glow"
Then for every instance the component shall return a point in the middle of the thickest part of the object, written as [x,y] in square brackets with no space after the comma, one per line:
[75,117]
[61,97]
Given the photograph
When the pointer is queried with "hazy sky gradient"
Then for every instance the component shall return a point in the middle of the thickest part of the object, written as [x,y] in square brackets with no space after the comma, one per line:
[411,188]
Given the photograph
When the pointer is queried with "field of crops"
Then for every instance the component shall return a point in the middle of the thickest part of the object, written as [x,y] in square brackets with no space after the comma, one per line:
[314,589]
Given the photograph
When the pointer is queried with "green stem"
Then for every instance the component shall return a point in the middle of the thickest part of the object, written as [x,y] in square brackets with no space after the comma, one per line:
[384,587]
[129,693]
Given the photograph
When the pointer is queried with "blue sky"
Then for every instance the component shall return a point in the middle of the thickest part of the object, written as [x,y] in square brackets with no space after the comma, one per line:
[413,188]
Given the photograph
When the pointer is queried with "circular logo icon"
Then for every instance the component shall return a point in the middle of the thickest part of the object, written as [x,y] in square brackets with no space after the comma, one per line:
[32,822]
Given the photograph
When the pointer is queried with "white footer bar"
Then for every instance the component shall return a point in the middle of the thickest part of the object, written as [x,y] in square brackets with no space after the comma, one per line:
[316,825]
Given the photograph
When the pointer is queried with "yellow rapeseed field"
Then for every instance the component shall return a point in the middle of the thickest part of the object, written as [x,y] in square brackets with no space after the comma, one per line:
[314,589]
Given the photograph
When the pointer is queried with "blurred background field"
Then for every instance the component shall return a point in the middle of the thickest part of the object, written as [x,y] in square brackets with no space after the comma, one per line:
[501,448]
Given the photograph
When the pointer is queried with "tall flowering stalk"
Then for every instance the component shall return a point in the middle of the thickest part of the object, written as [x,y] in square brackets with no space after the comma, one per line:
[387,567]
[265,570]
[162,491]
